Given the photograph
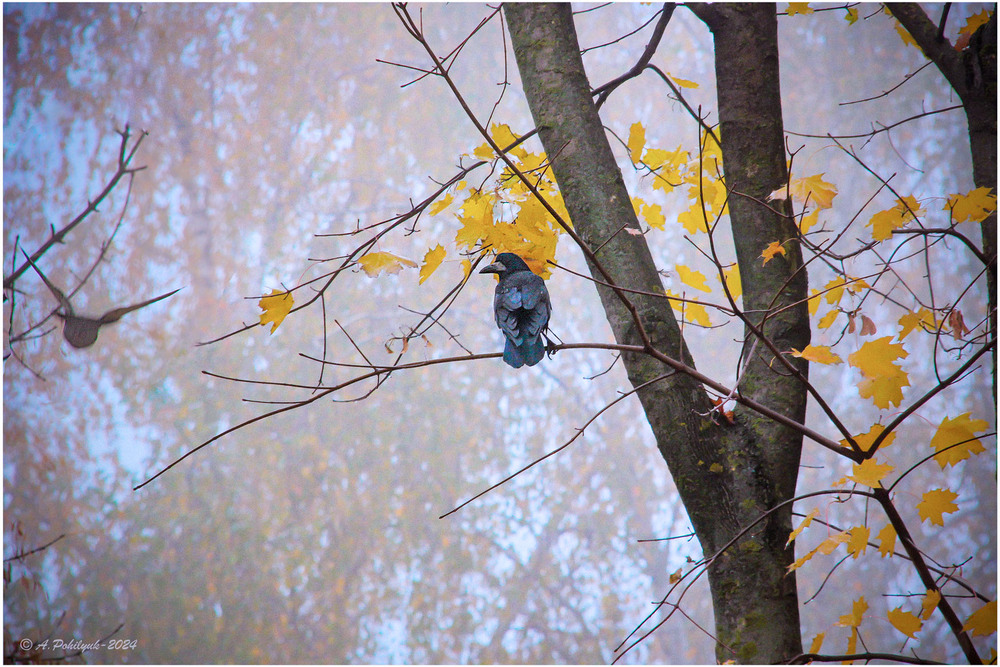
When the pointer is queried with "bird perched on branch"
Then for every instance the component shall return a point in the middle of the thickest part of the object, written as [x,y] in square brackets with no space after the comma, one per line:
[521,307]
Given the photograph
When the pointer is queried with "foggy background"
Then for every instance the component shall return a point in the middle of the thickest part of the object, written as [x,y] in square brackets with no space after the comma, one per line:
[314,536]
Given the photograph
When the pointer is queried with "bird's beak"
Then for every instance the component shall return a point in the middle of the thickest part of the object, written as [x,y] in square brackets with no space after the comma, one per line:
[495,267]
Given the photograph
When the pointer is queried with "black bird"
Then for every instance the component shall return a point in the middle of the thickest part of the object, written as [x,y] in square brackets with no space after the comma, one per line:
[521,307]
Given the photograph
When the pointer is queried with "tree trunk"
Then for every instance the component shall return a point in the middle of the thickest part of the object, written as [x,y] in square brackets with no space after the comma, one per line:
[755,602]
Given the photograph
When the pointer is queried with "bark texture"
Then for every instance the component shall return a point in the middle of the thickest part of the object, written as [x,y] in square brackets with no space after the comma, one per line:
[756,605]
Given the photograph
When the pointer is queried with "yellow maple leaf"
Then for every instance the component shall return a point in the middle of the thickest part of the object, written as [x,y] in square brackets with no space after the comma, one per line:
[503,137]
[962,429]
[820,354]
[653,215]
[466,268]
[886,540]
[905,622]
[827,320]
[973,22]
[929,603]
[441,204]
[806,222]
[870,472]
[858,543]
[798,8]
[906,37]
[883,222]
[852,15]
[432,260]
[814,301]
[884,390]
[813,190]
[772,249]
[733,281]
[883,380]
[802,526]
[935,504]
[692,278]
[973,206]
[852,643]
[682,83]
[853,620]
[983,621]
[877,357]
[694,313]
[636,142]
[866,440]
[484,151]
[693,219]
[817,643]
[830,544]
[275,306]
[375,263]
[911,320]
[834,290]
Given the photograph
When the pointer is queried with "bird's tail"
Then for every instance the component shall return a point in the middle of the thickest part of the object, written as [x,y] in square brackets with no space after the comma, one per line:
[529,352]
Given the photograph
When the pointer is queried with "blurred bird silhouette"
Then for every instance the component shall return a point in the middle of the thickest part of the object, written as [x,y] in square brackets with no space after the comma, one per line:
[521,307]
[82,331]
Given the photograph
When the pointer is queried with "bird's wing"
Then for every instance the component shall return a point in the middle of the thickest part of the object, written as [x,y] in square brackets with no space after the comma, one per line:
[118,313]
[522,306]
[63,301]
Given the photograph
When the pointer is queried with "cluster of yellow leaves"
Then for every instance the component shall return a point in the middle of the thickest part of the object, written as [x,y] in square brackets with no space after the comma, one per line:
[982,622]
[510,218]
[974,206]
[882,380]
[833,292]
[275,306]
[702,174]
